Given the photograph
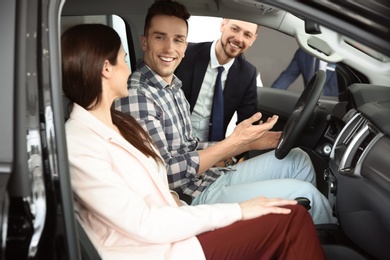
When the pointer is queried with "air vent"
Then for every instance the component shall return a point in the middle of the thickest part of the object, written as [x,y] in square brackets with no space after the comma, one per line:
[352,119]
[360,123]
[357,142]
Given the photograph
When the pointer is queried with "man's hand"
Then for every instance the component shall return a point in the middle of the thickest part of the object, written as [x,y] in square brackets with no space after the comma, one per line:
[268,140]
[246,133]
[245,137]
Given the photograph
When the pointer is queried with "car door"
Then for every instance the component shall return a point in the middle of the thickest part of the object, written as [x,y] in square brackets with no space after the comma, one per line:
[37,202]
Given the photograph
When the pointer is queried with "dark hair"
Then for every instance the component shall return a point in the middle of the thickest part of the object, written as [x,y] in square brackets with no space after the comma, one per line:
[85,48]
[165,7]
[83,61]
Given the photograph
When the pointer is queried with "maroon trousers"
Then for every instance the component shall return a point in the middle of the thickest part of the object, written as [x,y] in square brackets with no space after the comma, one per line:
[272,236]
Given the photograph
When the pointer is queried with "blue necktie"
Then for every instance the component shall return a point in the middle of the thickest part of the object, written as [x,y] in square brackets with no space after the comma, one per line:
[216,127]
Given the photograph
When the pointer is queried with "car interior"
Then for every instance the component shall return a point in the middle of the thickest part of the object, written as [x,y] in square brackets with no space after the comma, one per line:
[347,137]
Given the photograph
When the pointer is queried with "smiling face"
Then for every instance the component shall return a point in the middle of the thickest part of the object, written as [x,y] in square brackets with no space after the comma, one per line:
[164,45]
[236,37]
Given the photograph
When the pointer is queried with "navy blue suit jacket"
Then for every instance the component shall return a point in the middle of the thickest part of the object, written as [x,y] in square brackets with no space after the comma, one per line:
[240,93]
[302,63]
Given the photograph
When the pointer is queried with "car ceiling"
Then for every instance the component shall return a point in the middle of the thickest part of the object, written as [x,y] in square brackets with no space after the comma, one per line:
[361,21]
[357,16]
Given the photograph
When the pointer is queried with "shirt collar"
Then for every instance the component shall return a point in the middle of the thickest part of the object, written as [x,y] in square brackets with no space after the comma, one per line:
[214,61]
[156,79]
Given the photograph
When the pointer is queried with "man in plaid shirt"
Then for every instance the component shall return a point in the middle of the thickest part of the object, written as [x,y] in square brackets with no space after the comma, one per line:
[158,103]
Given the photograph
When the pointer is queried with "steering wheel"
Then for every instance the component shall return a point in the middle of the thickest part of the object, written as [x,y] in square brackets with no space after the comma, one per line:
[300,116]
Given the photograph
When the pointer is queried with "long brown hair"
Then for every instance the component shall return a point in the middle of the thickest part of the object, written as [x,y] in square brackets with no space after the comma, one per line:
[85,48]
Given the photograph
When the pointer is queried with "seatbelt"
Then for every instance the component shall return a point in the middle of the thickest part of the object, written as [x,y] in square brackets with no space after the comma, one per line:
[88,250]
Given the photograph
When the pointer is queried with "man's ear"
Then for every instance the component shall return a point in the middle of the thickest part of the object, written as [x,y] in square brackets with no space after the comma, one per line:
[254,39]
[223,24]
[184,53]
[107,69]
[143,42]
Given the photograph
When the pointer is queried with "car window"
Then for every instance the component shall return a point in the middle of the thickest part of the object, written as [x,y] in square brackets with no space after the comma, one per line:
[196,31]
[272,53]
[114,21]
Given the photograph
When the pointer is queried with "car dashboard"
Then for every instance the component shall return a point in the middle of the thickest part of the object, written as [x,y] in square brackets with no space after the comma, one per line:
[359,170]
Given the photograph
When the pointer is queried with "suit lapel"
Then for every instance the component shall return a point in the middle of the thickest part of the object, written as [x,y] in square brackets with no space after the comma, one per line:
[232,85]
[199,72]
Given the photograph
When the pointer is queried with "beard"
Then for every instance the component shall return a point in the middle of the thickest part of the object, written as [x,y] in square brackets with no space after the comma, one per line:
[226,51]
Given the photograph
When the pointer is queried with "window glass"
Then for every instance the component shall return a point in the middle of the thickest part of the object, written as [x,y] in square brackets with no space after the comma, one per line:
[197,25]
[114,21]
[119,25]
[271,54]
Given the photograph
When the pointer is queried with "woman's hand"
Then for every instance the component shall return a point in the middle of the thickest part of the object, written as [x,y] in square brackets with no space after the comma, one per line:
[261,206]
[176,198]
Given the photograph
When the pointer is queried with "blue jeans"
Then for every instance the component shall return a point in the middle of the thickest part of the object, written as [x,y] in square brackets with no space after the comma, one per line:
[292,177]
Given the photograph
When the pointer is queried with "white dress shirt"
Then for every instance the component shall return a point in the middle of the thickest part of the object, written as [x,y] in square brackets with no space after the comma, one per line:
[200,117]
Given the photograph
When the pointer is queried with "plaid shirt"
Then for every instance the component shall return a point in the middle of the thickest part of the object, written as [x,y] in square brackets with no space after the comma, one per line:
[163,111]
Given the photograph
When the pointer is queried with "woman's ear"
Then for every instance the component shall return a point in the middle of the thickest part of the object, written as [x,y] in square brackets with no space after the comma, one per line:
[107,69]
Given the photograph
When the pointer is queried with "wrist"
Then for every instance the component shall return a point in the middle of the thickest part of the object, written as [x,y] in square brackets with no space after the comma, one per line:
[230,161]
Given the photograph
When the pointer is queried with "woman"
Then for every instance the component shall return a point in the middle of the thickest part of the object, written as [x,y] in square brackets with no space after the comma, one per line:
[120,184]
